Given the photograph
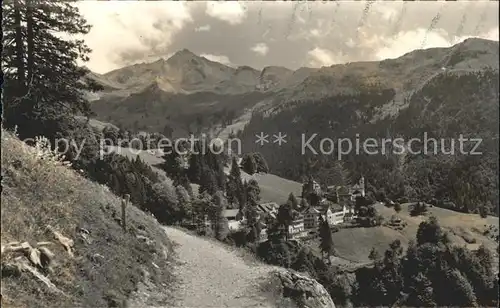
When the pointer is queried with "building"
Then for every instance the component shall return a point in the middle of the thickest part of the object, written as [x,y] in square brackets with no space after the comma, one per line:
[311,186]
[358,189]
[270,208]
[344,195]
[234,219]
[311,218]
[203,224]
[311,191]
[333,213]
[296,228]
[263,235]
[347,194]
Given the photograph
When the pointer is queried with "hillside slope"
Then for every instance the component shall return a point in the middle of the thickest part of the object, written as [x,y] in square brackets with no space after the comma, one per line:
[105,264]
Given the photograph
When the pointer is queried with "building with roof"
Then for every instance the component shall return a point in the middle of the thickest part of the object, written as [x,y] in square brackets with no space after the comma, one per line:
[234,219]
[333,213]
[270,208]
[297,229]
[358,189]
[311,218]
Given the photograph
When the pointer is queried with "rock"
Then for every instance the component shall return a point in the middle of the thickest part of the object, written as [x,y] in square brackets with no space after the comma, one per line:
[145,239]
[97,258]
[67,243]
[306,292]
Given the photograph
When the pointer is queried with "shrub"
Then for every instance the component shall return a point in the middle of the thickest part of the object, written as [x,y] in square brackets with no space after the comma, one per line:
[111,133]
[162,202]
[418,208]
[397,207]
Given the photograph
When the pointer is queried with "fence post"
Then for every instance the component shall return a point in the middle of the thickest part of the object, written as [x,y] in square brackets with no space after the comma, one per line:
[125,201]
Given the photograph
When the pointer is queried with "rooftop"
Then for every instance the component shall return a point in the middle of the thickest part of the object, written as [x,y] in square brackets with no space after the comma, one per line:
[230,212]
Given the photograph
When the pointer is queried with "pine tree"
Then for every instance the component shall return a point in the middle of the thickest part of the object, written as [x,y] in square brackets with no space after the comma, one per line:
[249,164]
[285,217]
[196,164]
[219,222]
[235,188]
[173,165]
[252,197]
[325,237]
[184,199]
[303,203]
[292,200]
[34,53]
[421,292]
[208,182]
[429,232]
[215,163]
[261,164]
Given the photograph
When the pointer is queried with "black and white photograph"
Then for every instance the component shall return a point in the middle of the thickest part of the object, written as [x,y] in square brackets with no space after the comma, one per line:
[240,154]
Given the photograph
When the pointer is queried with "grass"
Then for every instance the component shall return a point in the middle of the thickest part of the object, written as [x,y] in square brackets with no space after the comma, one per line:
[37,193]
[354,244]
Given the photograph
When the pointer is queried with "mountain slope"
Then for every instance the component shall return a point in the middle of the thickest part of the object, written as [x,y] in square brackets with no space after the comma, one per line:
[449,105]
[185,74]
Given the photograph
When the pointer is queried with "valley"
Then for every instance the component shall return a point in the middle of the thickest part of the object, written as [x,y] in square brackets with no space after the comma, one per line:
[156,154]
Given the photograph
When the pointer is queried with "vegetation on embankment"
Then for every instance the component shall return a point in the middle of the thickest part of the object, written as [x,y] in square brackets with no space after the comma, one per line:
[107,263]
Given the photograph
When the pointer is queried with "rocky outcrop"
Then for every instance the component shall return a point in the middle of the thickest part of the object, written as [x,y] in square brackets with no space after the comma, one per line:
[305,292]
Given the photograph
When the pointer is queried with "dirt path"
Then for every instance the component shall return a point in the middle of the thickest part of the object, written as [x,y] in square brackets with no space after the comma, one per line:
[213,276]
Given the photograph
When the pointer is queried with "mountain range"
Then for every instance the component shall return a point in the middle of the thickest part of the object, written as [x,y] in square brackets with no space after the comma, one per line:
[179,90]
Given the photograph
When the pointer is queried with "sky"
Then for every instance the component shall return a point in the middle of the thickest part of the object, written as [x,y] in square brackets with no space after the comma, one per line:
[290,34]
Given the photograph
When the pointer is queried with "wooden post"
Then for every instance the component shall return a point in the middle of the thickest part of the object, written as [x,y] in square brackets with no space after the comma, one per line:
[125,201]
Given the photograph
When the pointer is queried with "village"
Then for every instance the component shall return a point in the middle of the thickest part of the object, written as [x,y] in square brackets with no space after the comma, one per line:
[335,205]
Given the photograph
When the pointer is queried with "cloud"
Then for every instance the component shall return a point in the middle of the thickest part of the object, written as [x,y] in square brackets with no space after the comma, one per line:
[203,28]
[318,57]
[261,49]
[231,12]
[120,32]
[306,33]
[217,58]
[407,41]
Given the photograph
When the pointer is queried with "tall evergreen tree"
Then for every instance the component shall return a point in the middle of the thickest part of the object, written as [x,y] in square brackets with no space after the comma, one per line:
[249,164]
[292,200]
[252,193]
[208,182]
[43,79]
[235,188]
[219,222]
[326,240]
[285,218]
[196,164]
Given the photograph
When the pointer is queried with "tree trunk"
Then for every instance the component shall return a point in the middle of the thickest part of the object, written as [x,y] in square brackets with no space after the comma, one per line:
[19,47]
[30,38]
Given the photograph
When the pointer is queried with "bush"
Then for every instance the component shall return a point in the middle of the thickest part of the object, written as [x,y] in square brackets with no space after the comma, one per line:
[419,208]
[397,207]
[483,211]
[111,133]
[162,202]
[254,162]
